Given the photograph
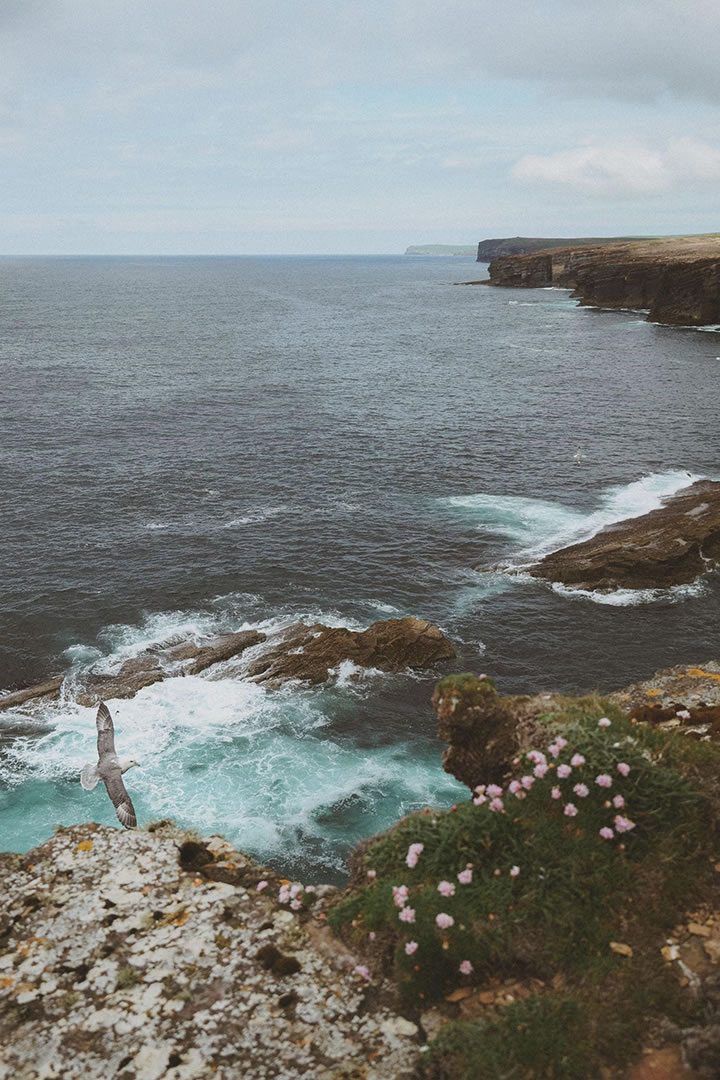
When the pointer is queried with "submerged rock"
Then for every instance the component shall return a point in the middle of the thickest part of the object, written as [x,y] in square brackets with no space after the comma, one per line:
[115,960]
[309,653]
[671,546]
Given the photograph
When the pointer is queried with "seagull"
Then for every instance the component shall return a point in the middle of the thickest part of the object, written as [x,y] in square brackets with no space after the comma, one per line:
[109,769]
[579,457]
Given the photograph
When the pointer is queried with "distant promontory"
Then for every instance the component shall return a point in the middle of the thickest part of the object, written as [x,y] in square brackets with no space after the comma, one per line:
[487,250]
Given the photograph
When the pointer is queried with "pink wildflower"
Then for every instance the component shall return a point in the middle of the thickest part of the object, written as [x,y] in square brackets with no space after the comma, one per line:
[540,770]
[446,888]
[444,921]
[261,885]
[483,676]
[623,824]
[497,806]
[360,969]
[400,895]
[603,722]
[294,890]
[465,877]
[607,834]
[514,786]
[372,935]
[570,810]
[527,782]
[683,714]
[465,968]
[411,947]
[514,871]
[554,749]
[577,760]
[622,768]
[406,914]
[414,852]
[494,791]
[284,894]
[556,793]
[561,742]
[296,904]
[563,771]
[480,789]
[372,874]
[581,790]
[618,802]
[537,757]
[603,780]
[478,801]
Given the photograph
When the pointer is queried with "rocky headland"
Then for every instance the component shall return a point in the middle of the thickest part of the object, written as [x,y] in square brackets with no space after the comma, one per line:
[673,545]
[676,280]
[299,652]
[487,250]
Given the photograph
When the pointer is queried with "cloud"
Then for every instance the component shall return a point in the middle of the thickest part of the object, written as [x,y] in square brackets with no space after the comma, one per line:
[624,169]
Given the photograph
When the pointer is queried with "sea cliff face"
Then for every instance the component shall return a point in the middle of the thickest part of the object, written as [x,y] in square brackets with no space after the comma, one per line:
[677,280]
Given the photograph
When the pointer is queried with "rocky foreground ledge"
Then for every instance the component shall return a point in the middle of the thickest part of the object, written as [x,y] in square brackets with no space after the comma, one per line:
[674,545]
[676,280]
[299,652]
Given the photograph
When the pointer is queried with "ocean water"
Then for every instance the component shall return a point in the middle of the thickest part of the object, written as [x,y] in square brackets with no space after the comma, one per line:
[201,444]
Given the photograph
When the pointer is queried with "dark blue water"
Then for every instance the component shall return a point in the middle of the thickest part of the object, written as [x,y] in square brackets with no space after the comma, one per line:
[219,442]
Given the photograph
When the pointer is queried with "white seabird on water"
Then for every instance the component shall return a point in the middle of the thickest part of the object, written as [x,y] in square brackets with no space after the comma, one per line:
[109,769]
[579,456]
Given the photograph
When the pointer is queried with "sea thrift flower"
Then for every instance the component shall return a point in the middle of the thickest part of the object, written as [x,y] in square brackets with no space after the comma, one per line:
[603,780]
[514,871]
[261,885]
[465,877]
[284,894]
[372,874]
[444,921]
[540,769]
[577,760]
[623,824]
[296,904]
[622,768]
[561,742]
[603,722]
[400,895]
[527,782]
[554,749]
[465,968]
[360,969]
[606,833]
[406,914]
[372,935]
[478,801]
[497,806]
[294,890]
[556,793]
[537,757]
[683,714]
[411,947]
[494,791]
[480,789]
[414,853]
[618,802]
[514,786]
[563,771]
[581,790]
[570,810]
[446,888]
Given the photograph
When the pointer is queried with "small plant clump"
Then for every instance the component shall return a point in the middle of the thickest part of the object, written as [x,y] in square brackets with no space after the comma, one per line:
[589,843]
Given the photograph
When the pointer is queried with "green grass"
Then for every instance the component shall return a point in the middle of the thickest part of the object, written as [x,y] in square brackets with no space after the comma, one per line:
[572,895]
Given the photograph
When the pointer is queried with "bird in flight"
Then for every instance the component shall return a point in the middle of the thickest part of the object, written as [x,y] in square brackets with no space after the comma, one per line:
[109,769]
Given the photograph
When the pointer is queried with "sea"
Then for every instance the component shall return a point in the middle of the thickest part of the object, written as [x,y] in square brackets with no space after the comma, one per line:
[191,445]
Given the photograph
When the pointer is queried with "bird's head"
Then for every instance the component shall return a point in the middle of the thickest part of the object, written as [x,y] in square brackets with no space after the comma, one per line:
[127,763]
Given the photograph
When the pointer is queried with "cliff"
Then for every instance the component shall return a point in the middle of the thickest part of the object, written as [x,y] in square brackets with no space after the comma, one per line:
[675,280]
[526,245]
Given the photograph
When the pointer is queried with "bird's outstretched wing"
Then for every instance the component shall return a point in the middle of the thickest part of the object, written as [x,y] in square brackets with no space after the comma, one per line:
[120,799]
[105,730]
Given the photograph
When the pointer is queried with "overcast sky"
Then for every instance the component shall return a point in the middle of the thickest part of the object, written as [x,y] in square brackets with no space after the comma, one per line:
[323,126]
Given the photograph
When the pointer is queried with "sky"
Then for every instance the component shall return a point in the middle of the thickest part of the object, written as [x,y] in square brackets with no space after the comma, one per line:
[353,126]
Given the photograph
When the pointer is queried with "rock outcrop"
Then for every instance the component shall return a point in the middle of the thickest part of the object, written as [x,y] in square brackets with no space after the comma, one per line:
[675,280]
[309,653]
[144,955]
[671,546]
[300,652]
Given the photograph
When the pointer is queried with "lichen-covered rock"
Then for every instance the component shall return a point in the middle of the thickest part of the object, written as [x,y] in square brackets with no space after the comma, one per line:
[116,961]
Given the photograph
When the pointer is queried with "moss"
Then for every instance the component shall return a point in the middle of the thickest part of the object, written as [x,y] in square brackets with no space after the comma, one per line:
[548,892]
[126,977]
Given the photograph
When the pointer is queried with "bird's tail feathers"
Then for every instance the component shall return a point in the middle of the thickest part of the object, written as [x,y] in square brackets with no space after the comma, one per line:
[89,776]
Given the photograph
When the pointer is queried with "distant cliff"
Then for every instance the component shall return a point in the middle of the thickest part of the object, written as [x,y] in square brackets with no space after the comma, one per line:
[440,249]
[675,279]
[526,245]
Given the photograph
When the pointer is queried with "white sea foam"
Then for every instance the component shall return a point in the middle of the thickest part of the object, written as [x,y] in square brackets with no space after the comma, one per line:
[676,594]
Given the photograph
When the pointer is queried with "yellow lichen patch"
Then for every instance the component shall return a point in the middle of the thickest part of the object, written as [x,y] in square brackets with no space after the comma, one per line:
[653,693]
[699,673]
[146,890]
[6,981]
[182,918]
[198,881]
[84,845]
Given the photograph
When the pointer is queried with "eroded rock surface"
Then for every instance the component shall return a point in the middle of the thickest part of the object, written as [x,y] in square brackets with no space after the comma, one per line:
[671,546]
[118,961]
[309,653]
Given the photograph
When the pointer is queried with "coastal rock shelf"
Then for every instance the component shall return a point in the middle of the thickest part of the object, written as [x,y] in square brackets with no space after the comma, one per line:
[674,545]
[298,652]
[676,280]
